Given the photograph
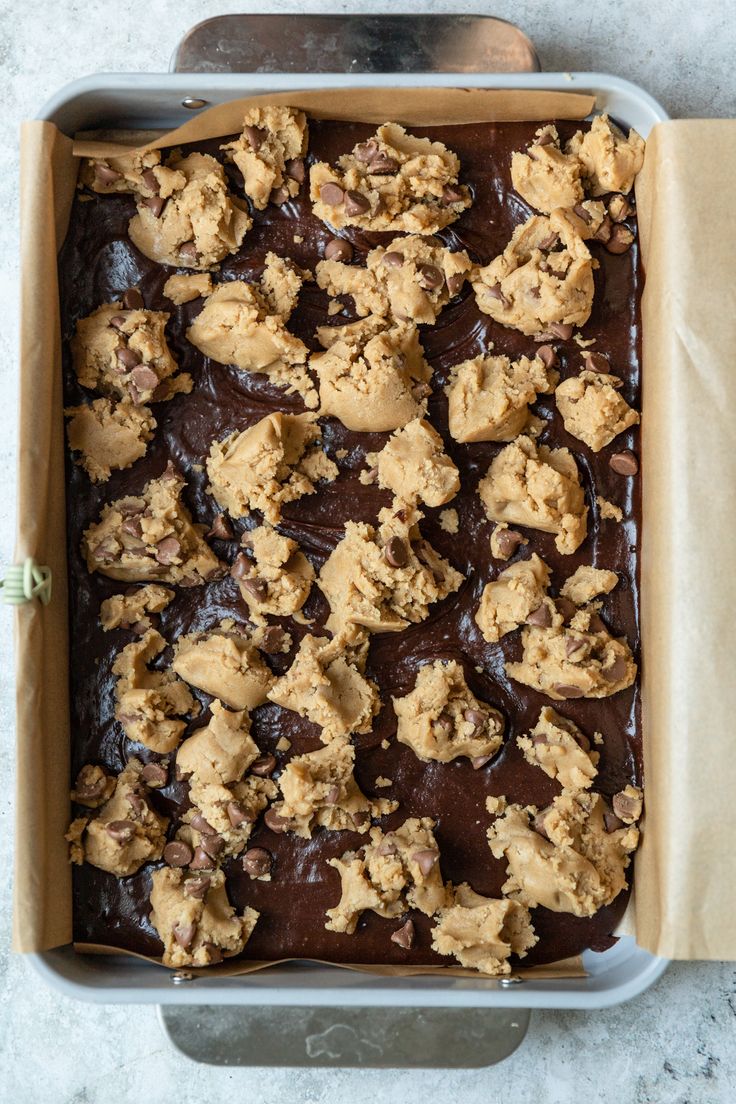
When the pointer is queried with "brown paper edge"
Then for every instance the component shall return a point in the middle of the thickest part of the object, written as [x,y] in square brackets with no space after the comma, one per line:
[42,889]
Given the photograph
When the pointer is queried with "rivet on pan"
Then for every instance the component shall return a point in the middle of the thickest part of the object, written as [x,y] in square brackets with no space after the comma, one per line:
[507,982]
[193,103]
[181,976]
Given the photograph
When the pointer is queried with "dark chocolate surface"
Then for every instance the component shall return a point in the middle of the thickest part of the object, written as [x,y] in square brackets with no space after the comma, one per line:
[97,264]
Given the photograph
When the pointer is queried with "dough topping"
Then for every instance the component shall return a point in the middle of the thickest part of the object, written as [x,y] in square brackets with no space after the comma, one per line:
[225,665]
[195,921]
[109,436]
[489,397]
[277,579]
[221,751]
[564,753]
[269,153]
[150,704]
[130,610]
[592,408]
[481,933]
[517,597]
[413,465]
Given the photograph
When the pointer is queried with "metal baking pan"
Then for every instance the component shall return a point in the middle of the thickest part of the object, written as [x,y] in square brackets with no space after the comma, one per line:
[164,101]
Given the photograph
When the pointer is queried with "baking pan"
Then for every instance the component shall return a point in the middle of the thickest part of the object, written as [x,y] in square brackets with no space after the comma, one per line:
[158,101]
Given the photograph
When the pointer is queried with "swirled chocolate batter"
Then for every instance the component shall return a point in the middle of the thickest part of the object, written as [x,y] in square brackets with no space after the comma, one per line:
[325,509]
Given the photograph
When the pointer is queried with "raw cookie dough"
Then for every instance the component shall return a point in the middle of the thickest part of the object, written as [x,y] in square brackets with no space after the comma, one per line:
[517,596]
[395,871]
[245,325]
[441,719]
[386,579]
[373,382]
[130,610]
[414,466]
[393,181]
[138,172]
[124,353]
[546,177]
[592,409]
[575,866]
[411,279]
[488,397]
[627,805]
[269,153]
[221,818]
[150,704]
[93,786]
[505,542]
[221,751]
[225,665]
[184,288]
[109,436]
[196,930]
[587,582]
[198,224]
[609,160]
[537,487]
[581,660]
[482,932]
[273,462]
[557,745]
[126,833]
[543,279]
[319,790]
[325,685]
[280,575]
[150,537]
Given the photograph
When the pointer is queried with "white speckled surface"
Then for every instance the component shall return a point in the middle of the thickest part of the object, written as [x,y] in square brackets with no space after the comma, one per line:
[676,1044]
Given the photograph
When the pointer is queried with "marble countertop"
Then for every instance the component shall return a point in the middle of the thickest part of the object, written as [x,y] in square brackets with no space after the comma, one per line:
[676,1043]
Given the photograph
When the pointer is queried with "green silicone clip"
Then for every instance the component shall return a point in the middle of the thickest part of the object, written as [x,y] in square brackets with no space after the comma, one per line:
[24,582]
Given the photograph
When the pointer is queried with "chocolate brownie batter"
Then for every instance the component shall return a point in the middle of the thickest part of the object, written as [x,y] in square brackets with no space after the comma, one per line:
[97,264]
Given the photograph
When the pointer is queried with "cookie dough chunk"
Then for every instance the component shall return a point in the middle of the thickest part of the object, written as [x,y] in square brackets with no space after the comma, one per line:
[546,177]
[124,353]
[592,409]
[139,172]
[273,462]
[581,660]
[132,608]
[627,805]
[374,383]
[537,487]
[197,928]
[108,436]
[517,596]
[543,278]
[563,857]
[564,753]
[587,582]
[126,833]
[221,751]
[324,685]
[393,181]
[319,790]
[414,466]
[268,153]
[182,289]
[225,665]
[221,818]
[610,161]
[411,279]
[384,580]
[481,933]
[488,397]
[245,325]
[93,786]
[278,579]
[150,537]
[441,719]
[395,871]
[150,704]
[198,224]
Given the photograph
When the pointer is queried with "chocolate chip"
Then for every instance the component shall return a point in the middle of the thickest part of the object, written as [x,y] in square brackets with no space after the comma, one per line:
[611,822]
[138,804]
[603,232]
[128,358]
[155,205]
[90,784]
[202,826]
[184,935]
[366,151]
[275,822]
[508,540]
[566,691]
[425,860]
[144,378]
[356,203]
[596,362]
[167,551]
[455,283]
[404,935]
[256,587]
[595,625]
[566,608]
[475,717]
[451,193]
[132,299]
[480,761]
[548,356]
[106,551]
[331,194]
[295,170]
[496,293]
[624,463]
[620,241]
[393,259]
[337,249]
[619,208]
[386,847]
[549,242]
[582,213]
[117,321]
[241,566]
[272,640]
[202,860]
[105,175]
[538,825]
[563,330]
[154,775]
[545,139]
[626,806]
[257,861]
[421,391]
[214,953]
[120,830]
[197,887]
[279,196]
[161,394]
[212,845]
[221,528]
[443,724]
[616,671]
[236,814]
[430,277]
[573,644]
[396,553]
[541,616]
[359,819]
[263,765]
[383,165]
[188,253]
[254,136]
[178,853]
[332,795]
